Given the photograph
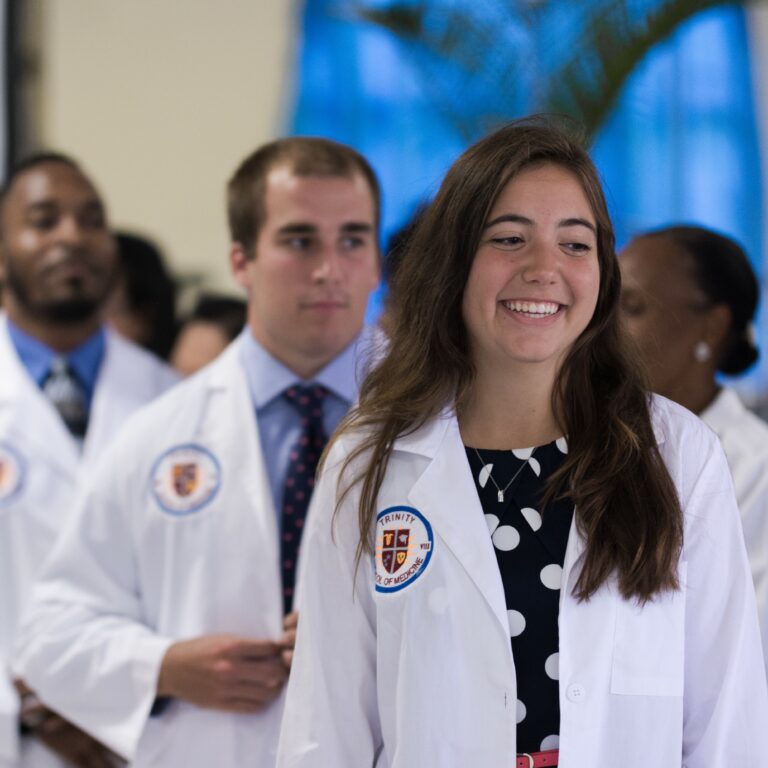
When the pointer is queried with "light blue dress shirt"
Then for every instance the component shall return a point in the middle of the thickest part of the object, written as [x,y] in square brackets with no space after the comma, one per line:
[85,360]
[279,422]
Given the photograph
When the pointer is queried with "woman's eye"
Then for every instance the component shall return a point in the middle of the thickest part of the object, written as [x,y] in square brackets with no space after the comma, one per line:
[507,241]
[578,247]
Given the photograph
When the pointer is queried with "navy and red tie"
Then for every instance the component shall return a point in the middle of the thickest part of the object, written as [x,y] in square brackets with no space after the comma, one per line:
[300,478]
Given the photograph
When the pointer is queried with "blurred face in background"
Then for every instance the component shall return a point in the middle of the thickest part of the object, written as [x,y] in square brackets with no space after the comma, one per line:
[57,254]
[199,342]
[313,267]
[665,312]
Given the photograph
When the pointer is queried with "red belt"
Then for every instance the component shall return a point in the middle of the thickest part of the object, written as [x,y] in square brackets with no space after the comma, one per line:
[538,759]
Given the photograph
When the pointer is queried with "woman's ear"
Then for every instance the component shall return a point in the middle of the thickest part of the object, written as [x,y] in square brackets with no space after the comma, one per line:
[717,324]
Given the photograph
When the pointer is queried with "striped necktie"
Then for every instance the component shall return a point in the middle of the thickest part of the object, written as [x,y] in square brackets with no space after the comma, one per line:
[67,396]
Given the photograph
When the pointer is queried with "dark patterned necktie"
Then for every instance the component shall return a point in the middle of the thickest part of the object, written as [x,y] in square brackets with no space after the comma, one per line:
[67,396]
[300,478]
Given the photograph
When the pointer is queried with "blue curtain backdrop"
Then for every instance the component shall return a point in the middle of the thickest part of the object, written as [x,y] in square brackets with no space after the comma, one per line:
[681,145]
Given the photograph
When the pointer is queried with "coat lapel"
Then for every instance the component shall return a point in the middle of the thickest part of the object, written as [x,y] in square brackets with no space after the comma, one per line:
[28,420]
[445,494]
[228,427]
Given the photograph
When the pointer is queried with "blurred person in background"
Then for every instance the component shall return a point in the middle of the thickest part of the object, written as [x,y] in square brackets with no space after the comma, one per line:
[212,325]
[142,306]
[164,620]
[689,298]
[67,385]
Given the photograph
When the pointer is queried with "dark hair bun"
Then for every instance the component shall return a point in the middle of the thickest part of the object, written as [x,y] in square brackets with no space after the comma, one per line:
[740,353]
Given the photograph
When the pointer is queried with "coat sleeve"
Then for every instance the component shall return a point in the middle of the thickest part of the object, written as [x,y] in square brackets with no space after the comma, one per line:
[726,703]
[331,715]
[83,646]
[751,480]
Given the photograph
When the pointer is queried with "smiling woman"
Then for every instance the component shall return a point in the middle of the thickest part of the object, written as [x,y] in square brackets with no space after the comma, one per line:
[527,558]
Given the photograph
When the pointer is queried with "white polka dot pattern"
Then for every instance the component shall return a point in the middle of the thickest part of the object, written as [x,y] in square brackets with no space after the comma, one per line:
[552,666]
[492,522]
[562,445]
[516,623]
[484,475]
[532,516]
[551,576]
[506,537]
[550,742]
[529,542]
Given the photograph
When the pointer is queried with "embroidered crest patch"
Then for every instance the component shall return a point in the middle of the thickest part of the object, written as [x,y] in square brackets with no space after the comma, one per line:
[404,545]
[185,479]
[12,471]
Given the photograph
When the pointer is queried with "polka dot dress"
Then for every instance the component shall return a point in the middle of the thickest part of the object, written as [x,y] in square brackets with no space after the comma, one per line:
[530,549]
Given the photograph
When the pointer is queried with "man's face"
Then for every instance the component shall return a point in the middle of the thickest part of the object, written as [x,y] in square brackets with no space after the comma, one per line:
[57,255]
[315,262]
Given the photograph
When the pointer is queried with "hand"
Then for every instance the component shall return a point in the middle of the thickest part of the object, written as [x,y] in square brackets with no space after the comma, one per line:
[72,744]
[59,735]
[288,640]
[234,674]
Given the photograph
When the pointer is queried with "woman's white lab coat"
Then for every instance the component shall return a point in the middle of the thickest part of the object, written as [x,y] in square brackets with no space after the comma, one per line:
[424,675]
[140,568]
[40,465]
[744,437]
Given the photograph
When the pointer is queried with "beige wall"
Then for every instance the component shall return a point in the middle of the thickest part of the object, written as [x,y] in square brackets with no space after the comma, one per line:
[160,100]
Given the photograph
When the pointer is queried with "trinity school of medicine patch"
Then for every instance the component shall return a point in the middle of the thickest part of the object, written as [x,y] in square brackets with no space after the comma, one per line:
[404,545]
[11,473]
[185,479]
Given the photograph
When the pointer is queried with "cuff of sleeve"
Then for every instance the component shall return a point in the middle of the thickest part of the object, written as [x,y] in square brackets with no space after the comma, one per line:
[9,719]
[123,737]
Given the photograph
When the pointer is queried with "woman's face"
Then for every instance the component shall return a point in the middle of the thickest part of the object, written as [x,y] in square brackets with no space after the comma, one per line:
[535,279]
[663,310]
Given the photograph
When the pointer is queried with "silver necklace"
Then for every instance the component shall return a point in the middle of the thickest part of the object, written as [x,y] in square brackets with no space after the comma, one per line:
[501,491]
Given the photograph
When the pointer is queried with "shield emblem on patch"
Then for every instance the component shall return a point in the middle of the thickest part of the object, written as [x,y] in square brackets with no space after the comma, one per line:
[185,478]
[394,551]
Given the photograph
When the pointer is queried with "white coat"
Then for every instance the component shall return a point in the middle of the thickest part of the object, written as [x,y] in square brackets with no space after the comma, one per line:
[424,675]
[140,568]
[40,464]
[744,437]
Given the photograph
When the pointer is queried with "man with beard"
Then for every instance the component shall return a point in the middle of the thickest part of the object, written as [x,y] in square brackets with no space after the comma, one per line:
[66,385]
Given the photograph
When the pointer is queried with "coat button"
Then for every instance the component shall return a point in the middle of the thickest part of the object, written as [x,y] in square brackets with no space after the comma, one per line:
[575,693]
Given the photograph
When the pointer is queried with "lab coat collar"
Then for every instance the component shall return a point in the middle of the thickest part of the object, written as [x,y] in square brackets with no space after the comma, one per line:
[227,426]
[723,410]
[445,494]
[29,417]
[445,487]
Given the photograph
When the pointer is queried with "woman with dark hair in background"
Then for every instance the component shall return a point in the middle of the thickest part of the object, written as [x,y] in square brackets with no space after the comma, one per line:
[689,299]
[513,547]
[207,331]
[143,304]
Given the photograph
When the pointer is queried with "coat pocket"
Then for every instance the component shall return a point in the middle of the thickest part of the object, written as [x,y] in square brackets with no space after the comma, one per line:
[649,645]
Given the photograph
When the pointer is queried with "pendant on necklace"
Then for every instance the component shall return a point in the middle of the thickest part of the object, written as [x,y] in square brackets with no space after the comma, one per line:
[500,496]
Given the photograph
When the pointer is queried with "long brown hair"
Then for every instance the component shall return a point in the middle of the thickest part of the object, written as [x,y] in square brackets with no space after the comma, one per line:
[626,505]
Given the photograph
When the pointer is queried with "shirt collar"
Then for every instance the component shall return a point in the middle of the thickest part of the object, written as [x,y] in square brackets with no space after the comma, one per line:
[37,357]
[268,378]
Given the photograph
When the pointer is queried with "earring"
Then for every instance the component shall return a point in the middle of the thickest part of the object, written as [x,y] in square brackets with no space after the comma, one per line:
[701,351]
